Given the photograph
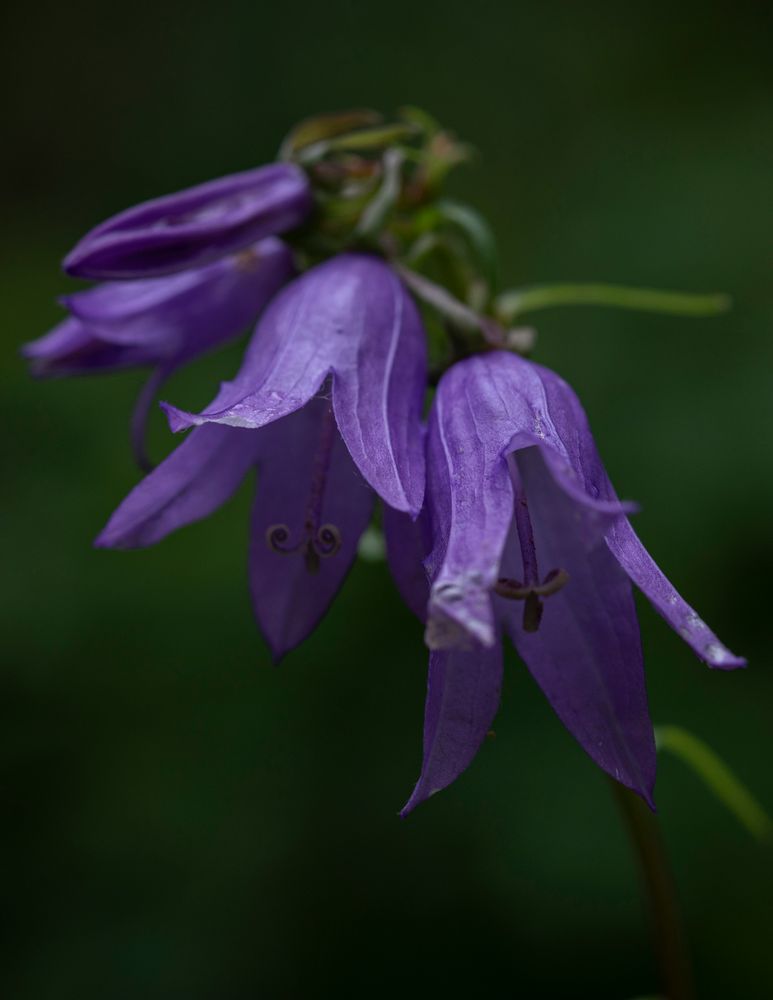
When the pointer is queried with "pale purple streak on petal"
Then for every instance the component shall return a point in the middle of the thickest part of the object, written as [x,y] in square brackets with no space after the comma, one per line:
[642,569]
[195,226]
[350,318]
[463,692]
[196,479]
[471,502]
[378,391]
[586,655]
[408,542]
[288,600]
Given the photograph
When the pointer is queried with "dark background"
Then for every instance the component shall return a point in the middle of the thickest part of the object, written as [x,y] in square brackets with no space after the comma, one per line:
[183,820]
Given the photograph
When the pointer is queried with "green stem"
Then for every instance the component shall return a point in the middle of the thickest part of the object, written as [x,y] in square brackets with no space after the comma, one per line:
[512,304]
[718,776]
[665,916]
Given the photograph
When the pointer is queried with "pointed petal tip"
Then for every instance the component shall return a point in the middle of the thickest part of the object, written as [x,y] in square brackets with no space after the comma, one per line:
[418,797]
[109,539]
[277,651]
[406,505]
[277,655]
[642,790]
[718,657]
[71,263]
[647,795]
[179,420]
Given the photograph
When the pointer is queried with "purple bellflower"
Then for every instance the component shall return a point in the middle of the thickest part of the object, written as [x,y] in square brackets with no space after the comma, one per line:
[180,274]
[195,226]
[520,532]
[327,406]
[523,534]
[163,322]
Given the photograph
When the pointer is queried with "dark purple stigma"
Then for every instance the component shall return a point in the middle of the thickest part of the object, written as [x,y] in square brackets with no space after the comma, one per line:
[530,591]
[317,541]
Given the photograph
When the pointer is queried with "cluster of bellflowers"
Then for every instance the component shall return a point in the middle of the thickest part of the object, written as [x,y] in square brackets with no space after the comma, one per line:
[387,378]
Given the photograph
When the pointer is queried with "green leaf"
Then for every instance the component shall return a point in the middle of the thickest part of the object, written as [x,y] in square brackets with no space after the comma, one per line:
[717,776]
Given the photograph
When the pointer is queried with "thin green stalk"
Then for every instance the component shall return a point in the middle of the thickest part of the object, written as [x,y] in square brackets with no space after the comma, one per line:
[511,305]
[717,776]
[665,916]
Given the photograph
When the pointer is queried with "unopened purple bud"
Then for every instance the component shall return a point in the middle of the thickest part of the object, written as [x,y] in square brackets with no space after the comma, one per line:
[195,226]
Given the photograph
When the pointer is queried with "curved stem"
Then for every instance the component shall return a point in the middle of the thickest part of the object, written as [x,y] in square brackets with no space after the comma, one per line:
[512,304]
[139,418]
[717,776]
[665,915]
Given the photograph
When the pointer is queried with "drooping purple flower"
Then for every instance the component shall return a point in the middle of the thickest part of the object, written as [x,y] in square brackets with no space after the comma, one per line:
[161,322]
[195,226]
[349,318]
[327,406]
[529,538]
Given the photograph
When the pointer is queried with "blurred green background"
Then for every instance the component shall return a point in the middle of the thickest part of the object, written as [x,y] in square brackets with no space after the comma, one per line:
[182,819]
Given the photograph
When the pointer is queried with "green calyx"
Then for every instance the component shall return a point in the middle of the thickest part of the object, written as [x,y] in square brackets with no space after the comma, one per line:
[372,180]
[378,187]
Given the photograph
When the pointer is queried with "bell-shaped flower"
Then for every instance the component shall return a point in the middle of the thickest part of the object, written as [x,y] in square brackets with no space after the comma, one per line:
[327,406]
[161,322]
[523,534]
[194,226]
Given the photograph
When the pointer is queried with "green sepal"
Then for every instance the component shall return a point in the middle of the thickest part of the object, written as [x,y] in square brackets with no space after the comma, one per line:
[478,235]
[383,202]
[363,140]
[321,127]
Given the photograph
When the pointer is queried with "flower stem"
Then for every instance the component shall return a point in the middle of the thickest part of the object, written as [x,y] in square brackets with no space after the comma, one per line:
[665,916]
[515,303]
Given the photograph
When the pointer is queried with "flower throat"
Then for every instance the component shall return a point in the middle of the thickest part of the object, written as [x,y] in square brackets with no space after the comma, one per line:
[318,541]
[530,590]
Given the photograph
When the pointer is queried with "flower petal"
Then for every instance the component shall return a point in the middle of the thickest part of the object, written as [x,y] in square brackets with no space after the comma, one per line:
[71,349]
[288,599]
[379,394]
[194,226]
[196,479]
[485,407]
[161,321]
[463,694]
[626,547]
[182,315]
[622,539]
[352,318]
[408,542]
[586,654]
